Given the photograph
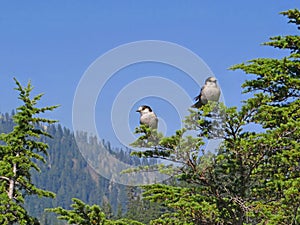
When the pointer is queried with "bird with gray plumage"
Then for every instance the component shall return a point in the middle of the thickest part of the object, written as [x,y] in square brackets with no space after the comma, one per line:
[147,116]
[209,92]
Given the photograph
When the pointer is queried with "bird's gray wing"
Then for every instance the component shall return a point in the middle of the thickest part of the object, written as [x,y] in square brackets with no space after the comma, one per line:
[153,121]
[198,98]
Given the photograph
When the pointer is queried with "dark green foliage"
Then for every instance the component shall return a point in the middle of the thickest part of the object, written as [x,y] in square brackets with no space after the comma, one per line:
[277,87]
[81,213]
[18,155]
[140,209]
[85,214]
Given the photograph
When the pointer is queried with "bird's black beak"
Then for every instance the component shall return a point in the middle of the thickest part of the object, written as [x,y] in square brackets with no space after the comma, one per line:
[137,110]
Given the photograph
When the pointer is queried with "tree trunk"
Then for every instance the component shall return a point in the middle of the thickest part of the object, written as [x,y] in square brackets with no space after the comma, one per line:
[12,181]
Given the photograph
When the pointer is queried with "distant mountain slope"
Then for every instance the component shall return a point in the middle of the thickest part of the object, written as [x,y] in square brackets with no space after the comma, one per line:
[67,174]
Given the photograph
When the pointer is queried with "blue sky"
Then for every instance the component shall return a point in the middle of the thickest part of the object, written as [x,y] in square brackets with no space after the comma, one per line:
[53,43]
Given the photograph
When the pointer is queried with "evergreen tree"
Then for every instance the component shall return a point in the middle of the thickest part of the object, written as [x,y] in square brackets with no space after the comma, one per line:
[85,214]
[276,107]
[18,155]
[255,176]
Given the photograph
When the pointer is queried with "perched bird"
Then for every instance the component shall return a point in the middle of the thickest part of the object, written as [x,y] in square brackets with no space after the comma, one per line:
[147,116]
[209,92]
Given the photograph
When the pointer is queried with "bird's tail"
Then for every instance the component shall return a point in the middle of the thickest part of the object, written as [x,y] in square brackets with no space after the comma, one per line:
[197,105]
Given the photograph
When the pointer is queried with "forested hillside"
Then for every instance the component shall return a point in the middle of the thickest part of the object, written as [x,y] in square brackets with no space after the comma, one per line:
[67,174]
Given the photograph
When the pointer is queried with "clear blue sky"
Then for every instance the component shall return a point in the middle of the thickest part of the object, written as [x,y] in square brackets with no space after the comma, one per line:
[53,43]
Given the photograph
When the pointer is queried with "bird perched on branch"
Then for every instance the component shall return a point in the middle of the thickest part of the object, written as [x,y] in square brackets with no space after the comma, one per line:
[147,116]
[209,92]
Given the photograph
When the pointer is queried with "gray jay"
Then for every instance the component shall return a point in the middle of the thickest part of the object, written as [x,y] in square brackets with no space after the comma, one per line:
[147,116]
[209,92]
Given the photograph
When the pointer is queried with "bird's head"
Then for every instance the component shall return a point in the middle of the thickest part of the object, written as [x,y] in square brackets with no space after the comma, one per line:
[211,80]
[144,109]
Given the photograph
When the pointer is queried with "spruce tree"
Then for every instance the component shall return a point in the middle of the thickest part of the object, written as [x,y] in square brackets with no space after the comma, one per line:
[19,151]
[276,107]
